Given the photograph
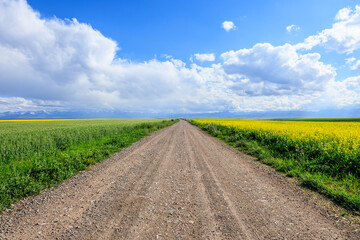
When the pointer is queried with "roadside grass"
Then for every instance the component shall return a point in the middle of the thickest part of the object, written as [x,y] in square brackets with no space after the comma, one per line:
[35,156]
[340,186]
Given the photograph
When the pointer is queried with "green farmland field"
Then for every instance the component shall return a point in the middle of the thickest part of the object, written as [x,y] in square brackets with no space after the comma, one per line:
[37,154]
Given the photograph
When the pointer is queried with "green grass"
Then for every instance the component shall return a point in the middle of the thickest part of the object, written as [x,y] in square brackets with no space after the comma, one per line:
[38,155]
[342,187]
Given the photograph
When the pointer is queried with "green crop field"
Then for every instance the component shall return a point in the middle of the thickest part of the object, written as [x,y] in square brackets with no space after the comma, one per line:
[37,154]
[323,153]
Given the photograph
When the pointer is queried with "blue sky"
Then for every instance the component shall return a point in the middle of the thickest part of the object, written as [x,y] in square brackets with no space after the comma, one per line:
[145,29]
[176,57]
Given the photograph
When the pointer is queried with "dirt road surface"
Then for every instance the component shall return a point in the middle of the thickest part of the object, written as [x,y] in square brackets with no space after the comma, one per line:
[178,183]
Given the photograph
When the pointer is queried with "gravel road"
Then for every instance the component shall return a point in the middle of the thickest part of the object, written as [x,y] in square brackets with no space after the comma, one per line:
[178,183]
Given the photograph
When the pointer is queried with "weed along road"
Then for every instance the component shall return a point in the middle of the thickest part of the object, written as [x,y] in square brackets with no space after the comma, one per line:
[178,183]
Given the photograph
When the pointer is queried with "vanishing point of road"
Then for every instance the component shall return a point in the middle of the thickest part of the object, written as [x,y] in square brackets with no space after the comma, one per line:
[178,183]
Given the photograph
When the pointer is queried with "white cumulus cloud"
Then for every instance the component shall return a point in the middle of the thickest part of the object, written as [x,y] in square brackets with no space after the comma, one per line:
[54,64]
[18,104]
[269,70]
[202,57]
[343,14]
[343,36]
[350,60]
[292,28]
[356,65]
[341,93]
[228,25]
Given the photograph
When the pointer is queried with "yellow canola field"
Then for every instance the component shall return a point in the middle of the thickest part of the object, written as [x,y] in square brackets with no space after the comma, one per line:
[338,139]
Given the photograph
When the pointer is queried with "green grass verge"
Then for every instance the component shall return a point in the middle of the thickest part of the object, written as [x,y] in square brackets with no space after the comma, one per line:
[57,154]
[343,189]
